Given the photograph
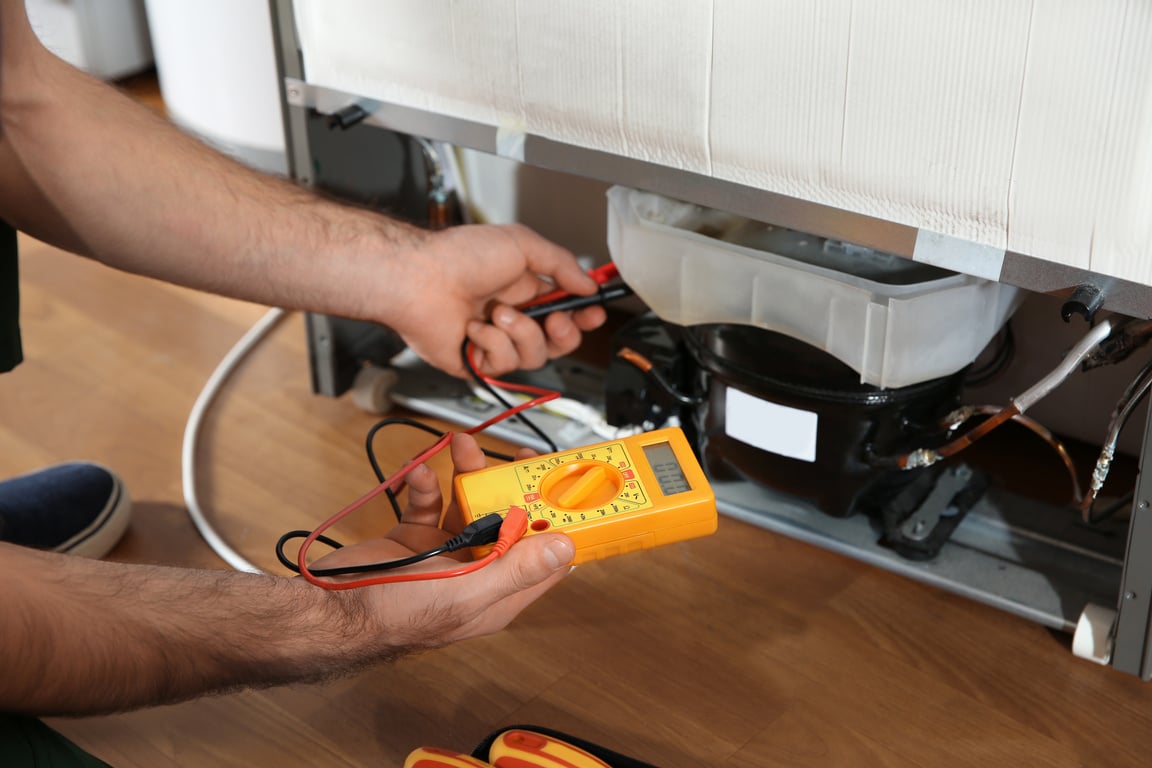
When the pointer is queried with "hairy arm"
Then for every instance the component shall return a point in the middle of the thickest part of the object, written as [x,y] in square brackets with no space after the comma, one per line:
[81,636]
[84,167]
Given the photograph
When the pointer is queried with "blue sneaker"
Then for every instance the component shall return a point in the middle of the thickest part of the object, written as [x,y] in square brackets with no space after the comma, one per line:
[79,508]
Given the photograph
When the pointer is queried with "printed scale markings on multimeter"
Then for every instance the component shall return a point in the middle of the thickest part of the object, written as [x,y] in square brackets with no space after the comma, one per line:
[632,493]
[598,487]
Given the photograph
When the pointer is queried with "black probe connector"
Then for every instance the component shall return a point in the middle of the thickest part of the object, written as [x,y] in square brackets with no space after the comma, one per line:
[486,530]
[606,294]
[483,531]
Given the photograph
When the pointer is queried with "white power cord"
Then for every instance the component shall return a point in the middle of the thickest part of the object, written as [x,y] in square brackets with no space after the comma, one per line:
[212,388]
[1079,351]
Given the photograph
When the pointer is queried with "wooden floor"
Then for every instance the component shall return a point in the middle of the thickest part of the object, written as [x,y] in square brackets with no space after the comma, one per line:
[745,649]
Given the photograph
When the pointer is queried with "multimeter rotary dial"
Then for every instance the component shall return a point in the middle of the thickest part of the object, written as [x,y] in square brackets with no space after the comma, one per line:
[580,485]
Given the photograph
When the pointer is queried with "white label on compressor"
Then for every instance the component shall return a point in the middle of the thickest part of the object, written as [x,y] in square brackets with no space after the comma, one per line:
[770,426]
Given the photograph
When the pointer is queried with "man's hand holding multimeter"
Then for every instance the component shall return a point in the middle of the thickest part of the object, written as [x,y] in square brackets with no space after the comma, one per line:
[610,498]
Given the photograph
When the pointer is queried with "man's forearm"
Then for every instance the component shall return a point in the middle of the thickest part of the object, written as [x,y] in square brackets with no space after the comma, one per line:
[80,636]
[87,168]
[142,196]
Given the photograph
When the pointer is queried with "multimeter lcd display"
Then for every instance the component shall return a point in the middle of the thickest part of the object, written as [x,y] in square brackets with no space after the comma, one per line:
[667,469]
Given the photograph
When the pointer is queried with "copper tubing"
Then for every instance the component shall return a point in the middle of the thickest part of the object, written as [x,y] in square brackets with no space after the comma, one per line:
[926,456]
[1127,403]
[1004,414]
[1037,428]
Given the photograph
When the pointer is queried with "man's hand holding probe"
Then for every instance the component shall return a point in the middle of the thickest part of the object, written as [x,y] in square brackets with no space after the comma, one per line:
[468,279]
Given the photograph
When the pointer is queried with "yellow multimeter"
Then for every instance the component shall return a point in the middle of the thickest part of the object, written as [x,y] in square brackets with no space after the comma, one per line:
[613,497]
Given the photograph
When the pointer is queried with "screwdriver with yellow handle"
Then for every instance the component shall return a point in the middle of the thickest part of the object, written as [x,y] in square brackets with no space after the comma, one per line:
[511,749]
[431,757]
[526,749]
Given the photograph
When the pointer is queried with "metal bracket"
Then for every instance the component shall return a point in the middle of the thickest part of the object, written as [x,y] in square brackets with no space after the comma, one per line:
[939,503]
[1132,649]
